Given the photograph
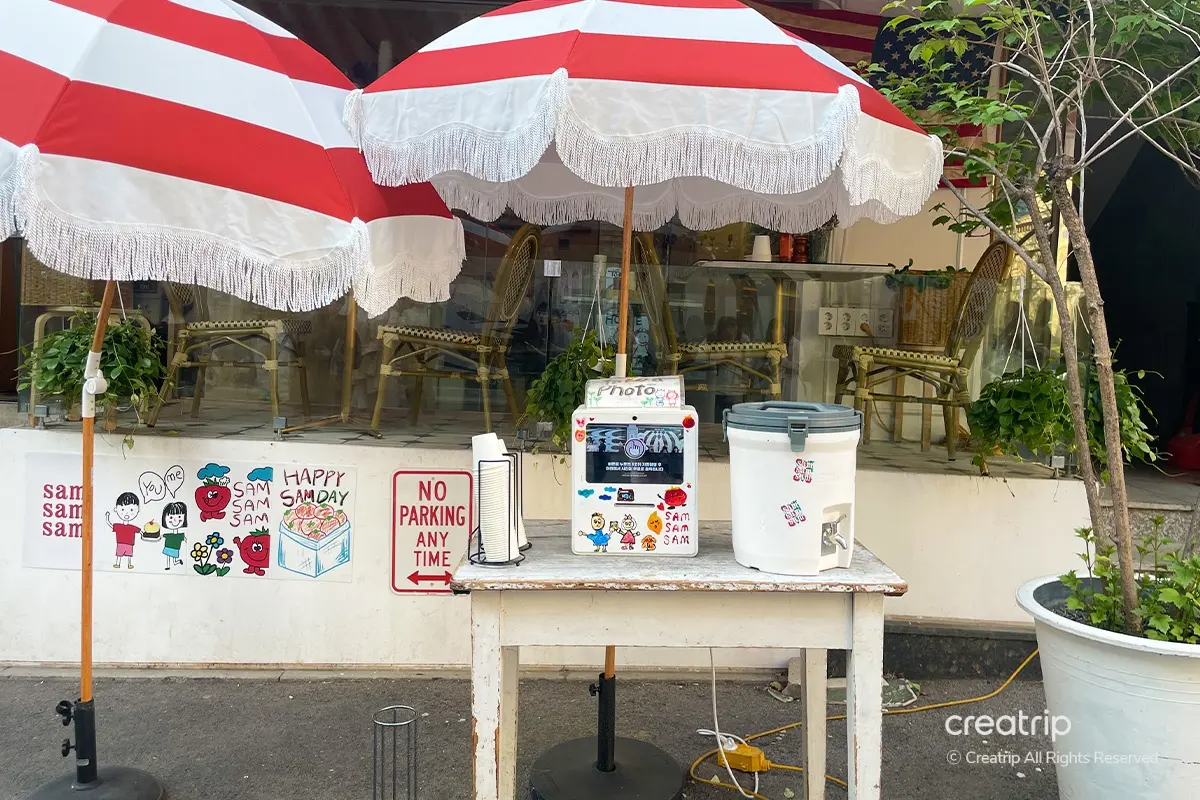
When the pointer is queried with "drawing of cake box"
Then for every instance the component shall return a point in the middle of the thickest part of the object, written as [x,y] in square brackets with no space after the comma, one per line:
[313,539]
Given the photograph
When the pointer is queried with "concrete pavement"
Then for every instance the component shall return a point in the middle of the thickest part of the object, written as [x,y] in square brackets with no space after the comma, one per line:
[266,738]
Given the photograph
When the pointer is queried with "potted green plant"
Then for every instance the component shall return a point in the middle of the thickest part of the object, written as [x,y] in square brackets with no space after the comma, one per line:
[1127,674]
[559,390]
[131,359]
[1028,414]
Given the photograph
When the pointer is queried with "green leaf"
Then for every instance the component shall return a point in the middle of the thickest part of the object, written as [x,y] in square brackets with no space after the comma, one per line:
[222,572]
[1172,596]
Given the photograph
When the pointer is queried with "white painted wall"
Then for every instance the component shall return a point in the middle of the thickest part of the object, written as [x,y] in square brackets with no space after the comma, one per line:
[963,544]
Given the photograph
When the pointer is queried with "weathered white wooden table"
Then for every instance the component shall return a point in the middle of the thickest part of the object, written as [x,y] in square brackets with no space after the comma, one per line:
[556,598]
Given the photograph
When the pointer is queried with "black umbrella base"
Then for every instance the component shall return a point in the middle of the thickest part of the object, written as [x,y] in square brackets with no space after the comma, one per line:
[115,783]
[568,771]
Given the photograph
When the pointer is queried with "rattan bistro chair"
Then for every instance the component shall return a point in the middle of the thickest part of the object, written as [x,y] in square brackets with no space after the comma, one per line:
[684,357]
[861,369]
[273,344]
[409,350]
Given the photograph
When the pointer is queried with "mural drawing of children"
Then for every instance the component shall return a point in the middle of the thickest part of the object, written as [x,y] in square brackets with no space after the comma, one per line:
[174,523]
[126,508]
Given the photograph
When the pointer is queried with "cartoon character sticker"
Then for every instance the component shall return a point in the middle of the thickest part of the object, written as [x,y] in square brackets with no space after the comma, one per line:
[675,497]
[255,551]
[213,495]
[804,471]
[793,514]
[655,523]
[624,495]
[629,532]
[598,537]
[174,525]
[648,543]
[126,508]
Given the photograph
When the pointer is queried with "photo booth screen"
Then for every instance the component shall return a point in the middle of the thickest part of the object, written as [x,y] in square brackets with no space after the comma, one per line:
[634,454]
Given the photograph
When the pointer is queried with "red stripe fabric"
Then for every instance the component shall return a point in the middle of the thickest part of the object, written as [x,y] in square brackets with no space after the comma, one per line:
[677,62]
[231,38]
[103,124]
[28,92]
[372,202]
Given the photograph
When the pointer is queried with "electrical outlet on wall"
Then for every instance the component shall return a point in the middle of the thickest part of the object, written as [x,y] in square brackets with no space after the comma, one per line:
[862,317]
[883,323]
[827,321]
[845,321]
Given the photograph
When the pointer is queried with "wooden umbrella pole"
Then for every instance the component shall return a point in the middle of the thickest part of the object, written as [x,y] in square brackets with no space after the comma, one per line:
[610,653]
[623,302]
[348,348]
[93,385]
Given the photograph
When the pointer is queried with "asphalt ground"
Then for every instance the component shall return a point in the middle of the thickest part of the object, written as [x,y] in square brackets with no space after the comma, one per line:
[211,738]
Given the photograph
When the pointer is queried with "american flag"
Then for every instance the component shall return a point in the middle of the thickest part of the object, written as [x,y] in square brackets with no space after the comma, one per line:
[852,38]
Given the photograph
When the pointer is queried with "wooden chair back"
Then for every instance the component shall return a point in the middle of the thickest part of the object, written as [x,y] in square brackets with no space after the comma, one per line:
[511,284]
[652,285]
[181,296]
[975,307]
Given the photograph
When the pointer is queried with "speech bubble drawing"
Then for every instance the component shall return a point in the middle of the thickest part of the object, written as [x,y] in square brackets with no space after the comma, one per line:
[174,478]
[152,485]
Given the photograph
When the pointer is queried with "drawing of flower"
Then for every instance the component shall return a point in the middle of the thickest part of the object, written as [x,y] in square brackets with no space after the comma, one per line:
[202,554]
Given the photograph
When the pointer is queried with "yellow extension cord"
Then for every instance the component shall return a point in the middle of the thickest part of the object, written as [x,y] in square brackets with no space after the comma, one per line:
[831,778]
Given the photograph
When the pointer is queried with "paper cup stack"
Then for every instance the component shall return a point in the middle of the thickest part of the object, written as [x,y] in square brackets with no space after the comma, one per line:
[522,542]
[497,493]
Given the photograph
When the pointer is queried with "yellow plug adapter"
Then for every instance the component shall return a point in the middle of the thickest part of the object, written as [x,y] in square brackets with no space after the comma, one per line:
[744,758]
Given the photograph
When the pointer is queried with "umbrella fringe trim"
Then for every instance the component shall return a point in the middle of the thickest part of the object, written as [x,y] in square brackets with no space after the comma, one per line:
[490,203]
[869,181]
[9,182]
[702,151]
[695,151]
[499,157]
[133,252]
[410,275]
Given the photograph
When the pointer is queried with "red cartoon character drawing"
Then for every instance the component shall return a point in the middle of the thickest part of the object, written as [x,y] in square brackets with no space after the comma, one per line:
[213,495]
[255,551]
[675,497]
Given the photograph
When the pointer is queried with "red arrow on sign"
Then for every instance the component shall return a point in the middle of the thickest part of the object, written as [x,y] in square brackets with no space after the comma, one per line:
[417,577]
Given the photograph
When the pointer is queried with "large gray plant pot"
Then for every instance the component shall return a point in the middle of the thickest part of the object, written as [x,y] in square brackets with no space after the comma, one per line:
[1133,706]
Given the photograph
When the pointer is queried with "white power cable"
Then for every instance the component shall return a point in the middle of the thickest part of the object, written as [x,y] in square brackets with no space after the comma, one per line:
[725,741]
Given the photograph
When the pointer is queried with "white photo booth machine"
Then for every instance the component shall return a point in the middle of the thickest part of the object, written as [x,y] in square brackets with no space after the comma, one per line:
[634,458]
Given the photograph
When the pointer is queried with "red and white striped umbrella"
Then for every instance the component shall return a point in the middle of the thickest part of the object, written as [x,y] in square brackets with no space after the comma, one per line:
[195,141]
[553,107]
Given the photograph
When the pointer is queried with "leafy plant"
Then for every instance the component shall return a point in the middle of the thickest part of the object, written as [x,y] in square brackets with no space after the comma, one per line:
[130,359]
[559,390]
[934,279]
[1029,410]
[1032,410]
[1168,590]
[1131,62]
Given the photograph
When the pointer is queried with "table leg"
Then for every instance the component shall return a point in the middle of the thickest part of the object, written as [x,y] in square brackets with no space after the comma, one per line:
[864,698]
[510,664]
[814,700]
[493,702]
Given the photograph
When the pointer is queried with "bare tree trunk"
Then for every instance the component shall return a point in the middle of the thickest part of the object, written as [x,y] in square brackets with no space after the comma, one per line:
[1123,534]
[1070,348]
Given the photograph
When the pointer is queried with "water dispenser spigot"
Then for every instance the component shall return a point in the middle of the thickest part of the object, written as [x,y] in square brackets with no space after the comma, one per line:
[830,535]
